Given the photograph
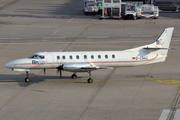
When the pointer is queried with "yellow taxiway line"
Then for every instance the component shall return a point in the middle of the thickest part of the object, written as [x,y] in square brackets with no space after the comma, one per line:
[160,80]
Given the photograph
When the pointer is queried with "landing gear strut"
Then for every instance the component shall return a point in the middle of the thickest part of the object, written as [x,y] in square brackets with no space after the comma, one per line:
[74,76]
[90,80]
[27,79]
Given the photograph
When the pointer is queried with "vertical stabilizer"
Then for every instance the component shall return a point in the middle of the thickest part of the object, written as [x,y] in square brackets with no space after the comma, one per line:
[163,41]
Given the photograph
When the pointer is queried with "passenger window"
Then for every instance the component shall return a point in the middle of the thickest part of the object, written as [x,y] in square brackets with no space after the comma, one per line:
[92,56]
[99,56]
[85,56]
[58,57]
[70,57]
[106,56]
[113,56]
[77,56]
[63,57]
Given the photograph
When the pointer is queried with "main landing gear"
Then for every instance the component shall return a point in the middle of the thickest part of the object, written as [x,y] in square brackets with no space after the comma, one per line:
[27,79]
[74,76]
[90,80]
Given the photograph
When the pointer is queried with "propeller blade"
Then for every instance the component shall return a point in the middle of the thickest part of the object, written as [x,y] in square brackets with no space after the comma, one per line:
[44,71]
[59,69]
[60,73]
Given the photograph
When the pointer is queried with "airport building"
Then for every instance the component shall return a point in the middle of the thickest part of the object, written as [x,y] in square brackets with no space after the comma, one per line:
[152,1]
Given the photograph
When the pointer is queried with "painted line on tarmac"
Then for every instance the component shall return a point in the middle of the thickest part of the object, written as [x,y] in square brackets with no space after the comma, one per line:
[142,36]
[98,37]
[11,82]
[9,38]
[70,20]
[54,32]
[160,80]
[52,37]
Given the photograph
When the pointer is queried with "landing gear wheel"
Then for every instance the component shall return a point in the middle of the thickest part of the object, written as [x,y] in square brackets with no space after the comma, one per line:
[27,79]
[90,80]
[74,76]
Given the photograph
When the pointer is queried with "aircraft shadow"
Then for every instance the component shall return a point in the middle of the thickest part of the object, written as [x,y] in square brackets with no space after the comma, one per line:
[19,79]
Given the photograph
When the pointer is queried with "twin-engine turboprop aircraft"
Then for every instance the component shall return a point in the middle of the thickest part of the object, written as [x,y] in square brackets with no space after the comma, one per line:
[87,61]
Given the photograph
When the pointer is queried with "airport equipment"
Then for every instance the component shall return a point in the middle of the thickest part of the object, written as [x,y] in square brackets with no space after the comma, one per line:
[137,3]
[132,12]
[87,61]
[111,9]
[90,7]
[167,6]
[149,11]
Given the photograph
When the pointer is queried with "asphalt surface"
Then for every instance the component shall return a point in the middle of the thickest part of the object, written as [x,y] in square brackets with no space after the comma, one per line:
[132,93]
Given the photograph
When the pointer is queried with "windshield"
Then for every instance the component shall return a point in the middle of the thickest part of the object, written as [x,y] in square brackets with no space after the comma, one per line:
[37,56]
[130,8]
[90,3]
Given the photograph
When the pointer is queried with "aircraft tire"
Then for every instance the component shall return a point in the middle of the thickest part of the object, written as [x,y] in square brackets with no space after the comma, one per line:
[90,80]
[74,76]
[27,79]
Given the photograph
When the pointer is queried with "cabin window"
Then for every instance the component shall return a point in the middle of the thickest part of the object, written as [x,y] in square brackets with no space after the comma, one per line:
[85,56]
[70,57]
[92,56]
[63,57]
[77,56]
[106,56]
[113,56]
[58,57]
[99,56]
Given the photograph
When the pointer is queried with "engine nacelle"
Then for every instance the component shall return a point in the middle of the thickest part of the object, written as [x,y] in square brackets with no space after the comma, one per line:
[75,67]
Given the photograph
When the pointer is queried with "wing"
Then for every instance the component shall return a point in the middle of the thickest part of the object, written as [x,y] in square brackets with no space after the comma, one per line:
[81,67]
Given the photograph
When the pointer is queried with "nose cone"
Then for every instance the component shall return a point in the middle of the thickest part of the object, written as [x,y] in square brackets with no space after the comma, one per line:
[10,64]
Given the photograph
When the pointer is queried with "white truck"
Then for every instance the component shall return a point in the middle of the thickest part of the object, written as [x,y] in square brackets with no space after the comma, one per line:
[132,12]
[90,7]
[149,11]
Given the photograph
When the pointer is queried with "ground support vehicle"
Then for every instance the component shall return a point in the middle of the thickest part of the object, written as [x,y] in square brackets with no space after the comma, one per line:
[167,6]
[132,12]
[112,9]
[149,11]
[90,7]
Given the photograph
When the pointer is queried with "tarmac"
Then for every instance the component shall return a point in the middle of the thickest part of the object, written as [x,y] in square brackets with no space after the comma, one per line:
[149,92]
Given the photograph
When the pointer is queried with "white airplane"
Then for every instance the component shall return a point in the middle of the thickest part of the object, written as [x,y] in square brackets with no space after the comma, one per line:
[87,61]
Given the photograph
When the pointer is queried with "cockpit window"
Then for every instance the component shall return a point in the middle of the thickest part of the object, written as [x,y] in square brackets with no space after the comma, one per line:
[37,57]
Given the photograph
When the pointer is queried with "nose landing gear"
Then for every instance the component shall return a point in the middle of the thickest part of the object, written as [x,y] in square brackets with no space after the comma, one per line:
[27,79]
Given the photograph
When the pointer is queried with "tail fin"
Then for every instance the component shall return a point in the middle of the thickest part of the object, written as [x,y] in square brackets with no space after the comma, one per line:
[163,41]
[161,45]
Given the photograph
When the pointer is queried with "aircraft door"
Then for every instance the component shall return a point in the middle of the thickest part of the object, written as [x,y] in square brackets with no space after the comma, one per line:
[49,60]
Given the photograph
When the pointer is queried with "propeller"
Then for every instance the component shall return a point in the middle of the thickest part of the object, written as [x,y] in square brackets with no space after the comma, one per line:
[44,71]
[59,69]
